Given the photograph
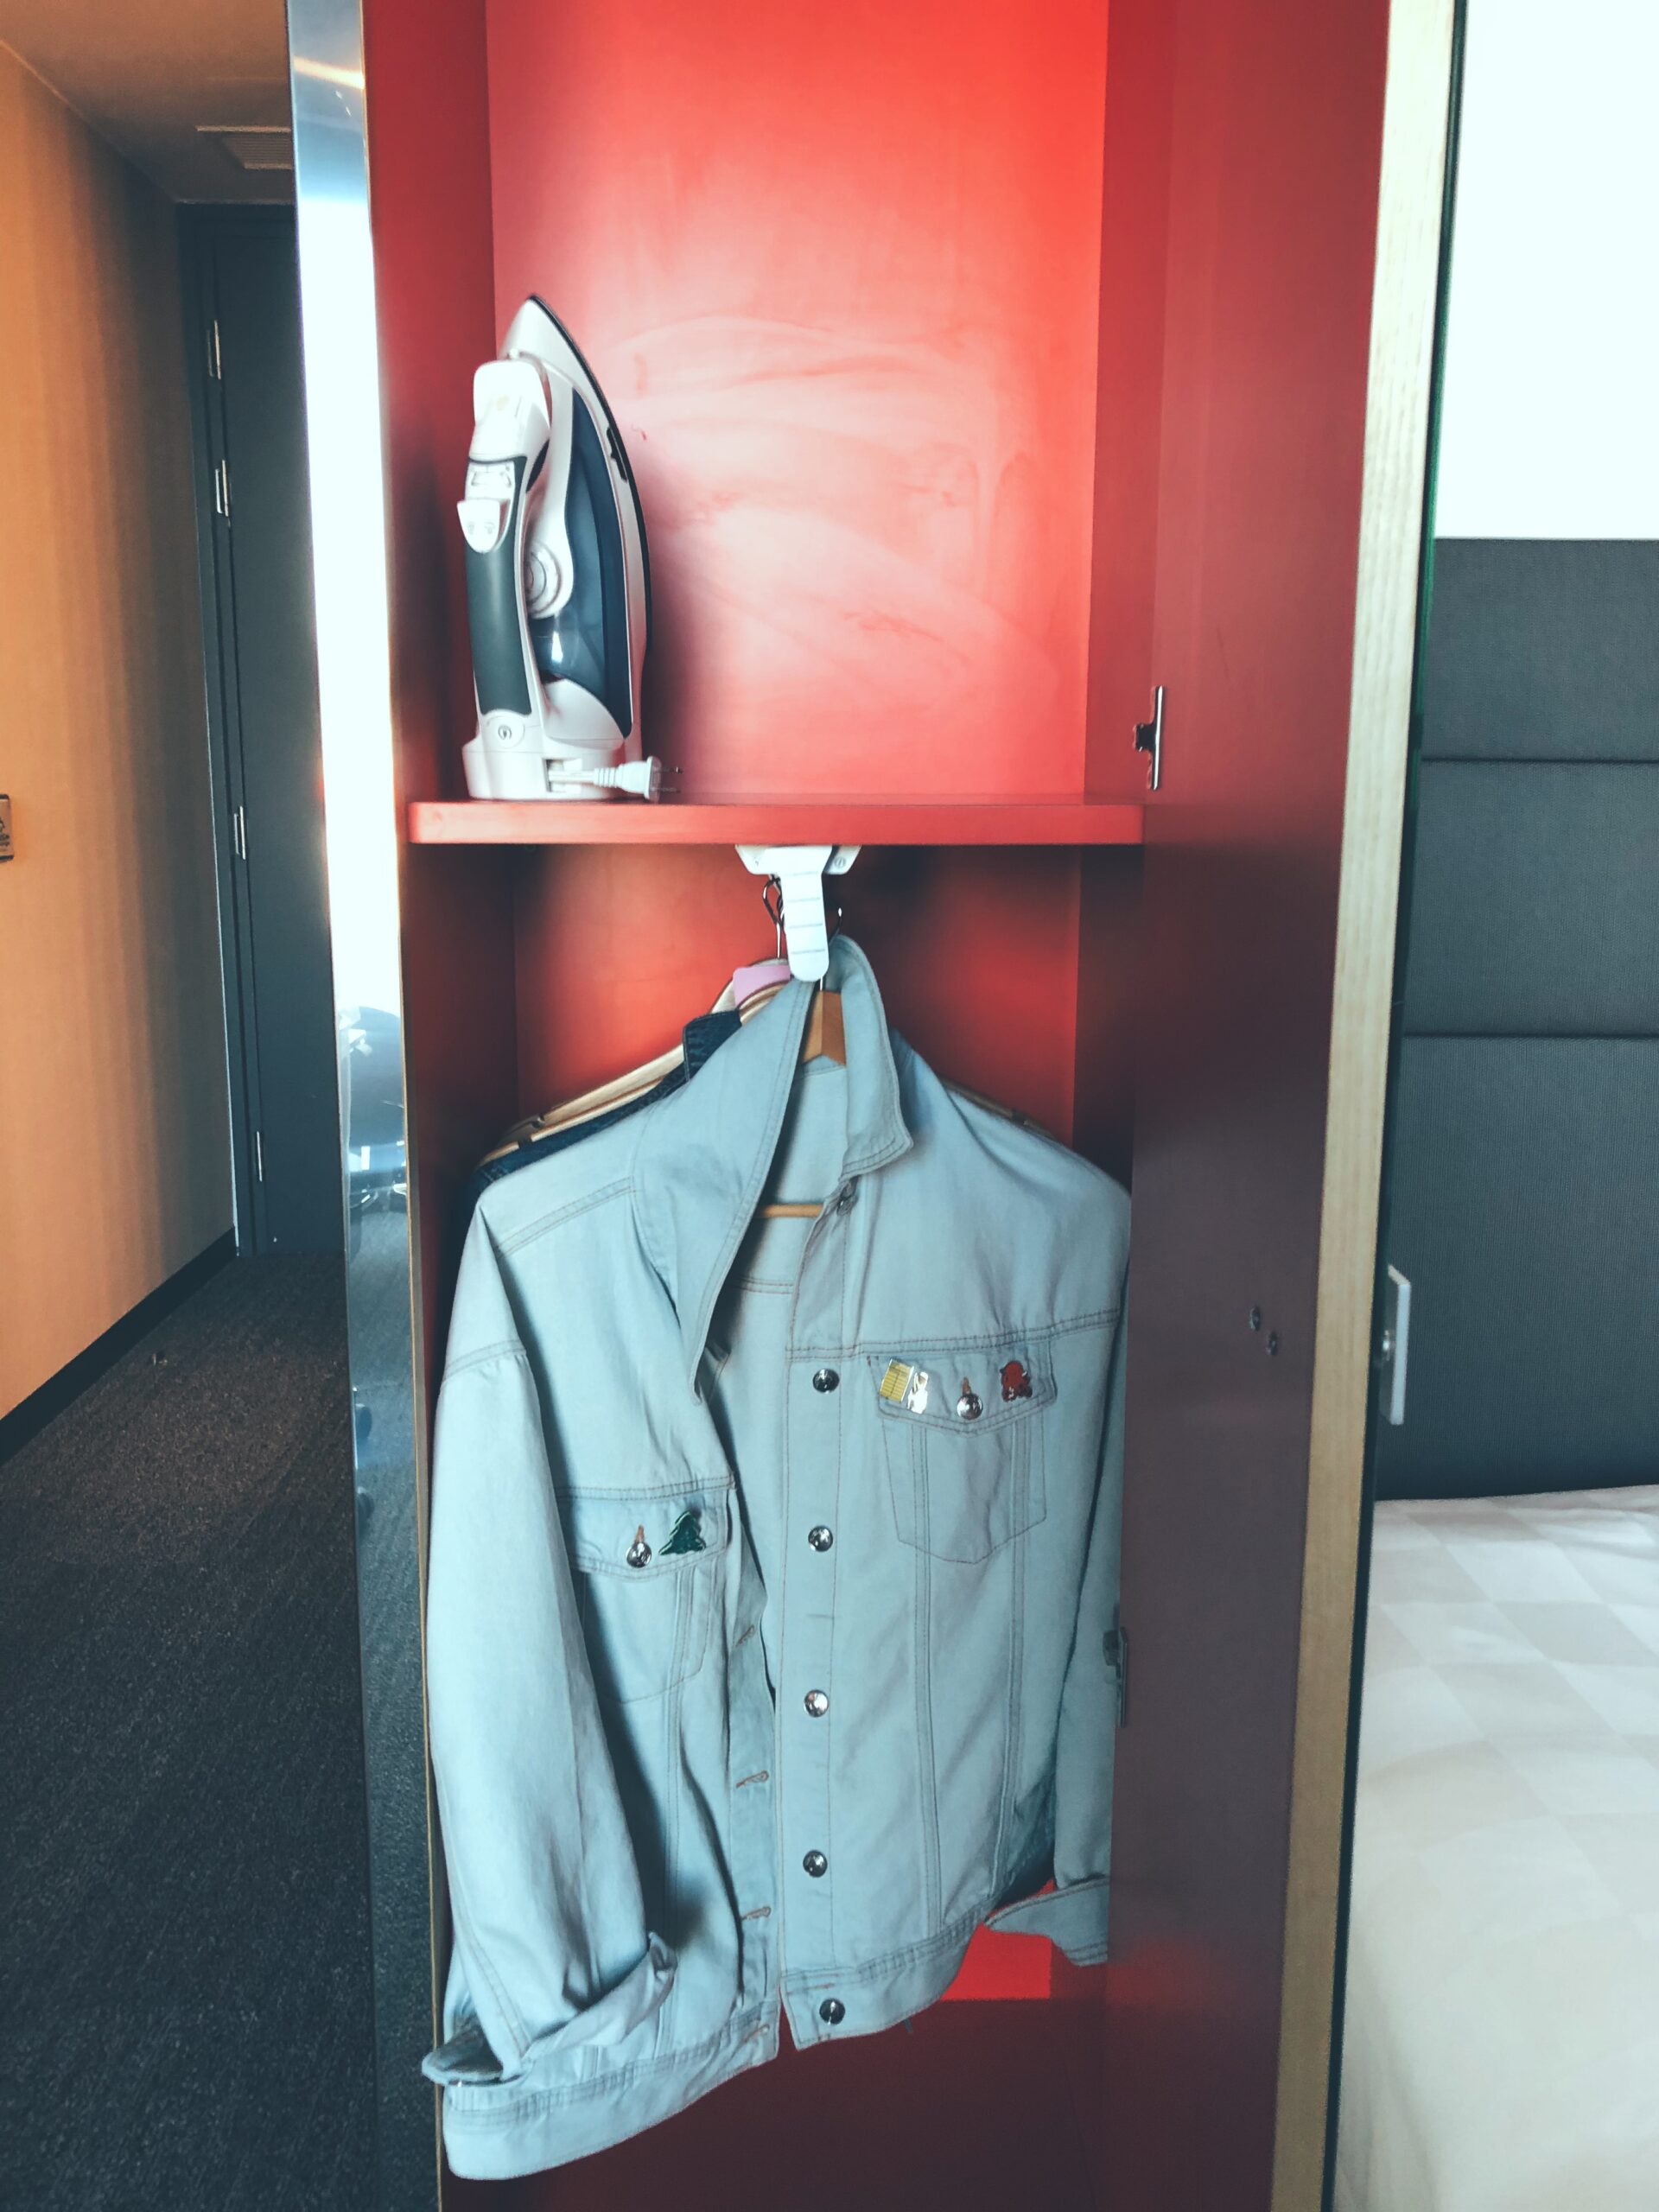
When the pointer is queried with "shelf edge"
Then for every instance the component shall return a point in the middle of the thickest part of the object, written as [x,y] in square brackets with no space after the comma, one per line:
[857,821]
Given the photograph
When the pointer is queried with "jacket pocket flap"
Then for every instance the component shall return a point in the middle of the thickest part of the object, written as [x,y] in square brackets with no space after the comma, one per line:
[964,1390]
[641,1533]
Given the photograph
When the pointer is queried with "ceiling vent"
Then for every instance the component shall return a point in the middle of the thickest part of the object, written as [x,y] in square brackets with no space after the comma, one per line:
[253,145]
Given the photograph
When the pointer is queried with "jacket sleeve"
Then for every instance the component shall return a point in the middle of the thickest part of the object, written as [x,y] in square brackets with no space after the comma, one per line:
[1073,1914]
[552,1946]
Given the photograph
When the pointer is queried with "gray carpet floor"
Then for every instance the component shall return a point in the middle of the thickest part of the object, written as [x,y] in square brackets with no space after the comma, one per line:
[183,1869]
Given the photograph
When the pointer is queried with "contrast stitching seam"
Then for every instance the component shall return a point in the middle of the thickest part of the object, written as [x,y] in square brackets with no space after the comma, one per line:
[505,2114]
[505,1349]
[659,1490]
[541,1227]
[1044,1332]
[890,1962]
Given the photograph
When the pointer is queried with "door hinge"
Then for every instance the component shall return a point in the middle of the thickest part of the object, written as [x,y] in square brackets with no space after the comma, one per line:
[258,1156]
[222,489]
[1115,1644]
[215,359]
[239,834]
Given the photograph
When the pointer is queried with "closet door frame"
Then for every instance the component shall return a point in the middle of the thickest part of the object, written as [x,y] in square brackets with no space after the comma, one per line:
[1412,233]
[350,519]
[386,1294]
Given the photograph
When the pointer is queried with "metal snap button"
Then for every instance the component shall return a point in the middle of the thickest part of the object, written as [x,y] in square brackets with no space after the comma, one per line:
[832,2012]
[820,1538]
[826,1379]
[815,1864]
[817,1703]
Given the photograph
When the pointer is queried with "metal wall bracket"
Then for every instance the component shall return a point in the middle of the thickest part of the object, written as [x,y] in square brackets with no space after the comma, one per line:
[1149,738]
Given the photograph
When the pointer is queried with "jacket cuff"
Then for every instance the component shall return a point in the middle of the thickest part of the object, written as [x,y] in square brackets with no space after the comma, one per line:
[1072,1918]
[467,2056]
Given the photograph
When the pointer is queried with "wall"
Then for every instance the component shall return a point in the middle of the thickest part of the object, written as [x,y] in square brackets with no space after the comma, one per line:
[1548,427]
[1525,1207]
[114,1149]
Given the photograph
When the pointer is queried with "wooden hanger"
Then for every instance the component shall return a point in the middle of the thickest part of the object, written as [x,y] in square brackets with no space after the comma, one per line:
[619,1090]
[823,1038]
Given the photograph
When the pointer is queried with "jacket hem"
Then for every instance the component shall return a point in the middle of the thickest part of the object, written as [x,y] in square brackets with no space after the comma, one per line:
[501,2131]
[880,1992]
[498,2130]
[1072,1916]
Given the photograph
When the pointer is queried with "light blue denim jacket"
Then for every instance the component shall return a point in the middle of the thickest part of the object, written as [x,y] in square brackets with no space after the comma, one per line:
[773,1569]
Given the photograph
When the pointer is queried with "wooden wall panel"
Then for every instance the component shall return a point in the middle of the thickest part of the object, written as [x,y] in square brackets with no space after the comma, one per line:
[114,1129]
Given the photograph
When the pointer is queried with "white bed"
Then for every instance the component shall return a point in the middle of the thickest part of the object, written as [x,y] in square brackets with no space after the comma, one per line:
[1501,2050]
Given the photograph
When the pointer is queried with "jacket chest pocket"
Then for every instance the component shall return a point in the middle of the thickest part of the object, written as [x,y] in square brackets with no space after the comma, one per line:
[647,1578]
[963,1433]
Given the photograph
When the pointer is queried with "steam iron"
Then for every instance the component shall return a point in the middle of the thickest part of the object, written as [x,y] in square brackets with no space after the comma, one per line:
[558,591]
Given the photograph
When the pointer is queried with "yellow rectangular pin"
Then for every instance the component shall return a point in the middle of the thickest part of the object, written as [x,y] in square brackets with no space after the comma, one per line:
[895,1383]
[907,1386]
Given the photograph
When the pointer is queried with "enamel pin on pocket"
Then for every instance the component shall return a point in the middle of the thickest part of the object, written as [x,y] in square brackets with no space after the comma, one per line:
[639,1553]
[907,1386]
[969,1407]
[686,1534]
[1016,1383]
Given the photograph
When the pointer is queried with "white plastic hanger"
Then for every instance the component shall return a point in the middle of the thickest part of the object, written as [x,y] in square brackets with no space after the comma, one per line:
[800,870]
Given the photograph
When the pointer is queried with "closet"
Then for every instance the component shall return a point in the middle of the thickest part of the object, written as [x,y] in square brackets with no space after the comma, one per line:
[983,368]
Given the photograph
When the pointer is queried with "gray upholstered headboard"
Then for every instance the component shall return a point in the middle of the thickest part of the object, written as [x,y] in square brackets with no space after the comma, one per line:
[1525,1194]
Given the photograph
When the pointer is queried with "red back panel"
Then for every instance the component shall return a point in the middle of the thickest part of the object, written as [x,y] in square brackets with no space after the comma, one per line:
[837,270]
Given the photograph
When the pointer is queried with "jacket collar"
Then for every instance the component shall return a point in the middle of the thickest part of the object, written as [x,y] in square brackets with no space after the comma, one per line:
[704,1154]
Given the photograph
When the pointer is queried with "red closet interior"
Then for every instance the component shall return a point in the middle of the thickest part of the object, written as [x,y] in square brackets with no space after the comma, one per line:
[880,295]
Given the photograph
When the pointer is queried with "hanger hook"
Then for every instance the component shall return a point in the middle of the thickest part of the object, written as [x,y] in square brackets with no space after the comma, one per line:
[771,898]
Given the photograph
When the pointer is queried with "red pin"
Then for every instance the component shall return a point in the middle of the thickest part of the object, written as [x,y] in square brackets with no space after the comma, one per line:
[1016,1383]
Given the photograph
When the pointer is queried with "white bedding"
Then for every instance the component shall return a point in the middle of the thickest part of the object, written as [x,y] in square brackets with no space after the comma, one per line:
[1501,2052]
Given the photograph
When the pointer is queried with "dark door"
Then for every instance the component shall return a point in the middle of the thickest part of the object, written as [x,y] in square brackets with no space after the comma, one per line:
[255,523]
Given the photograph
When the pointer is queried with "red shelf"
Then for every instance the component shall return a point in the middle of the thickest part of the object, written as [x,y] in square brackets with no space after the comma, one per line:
[776,821]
